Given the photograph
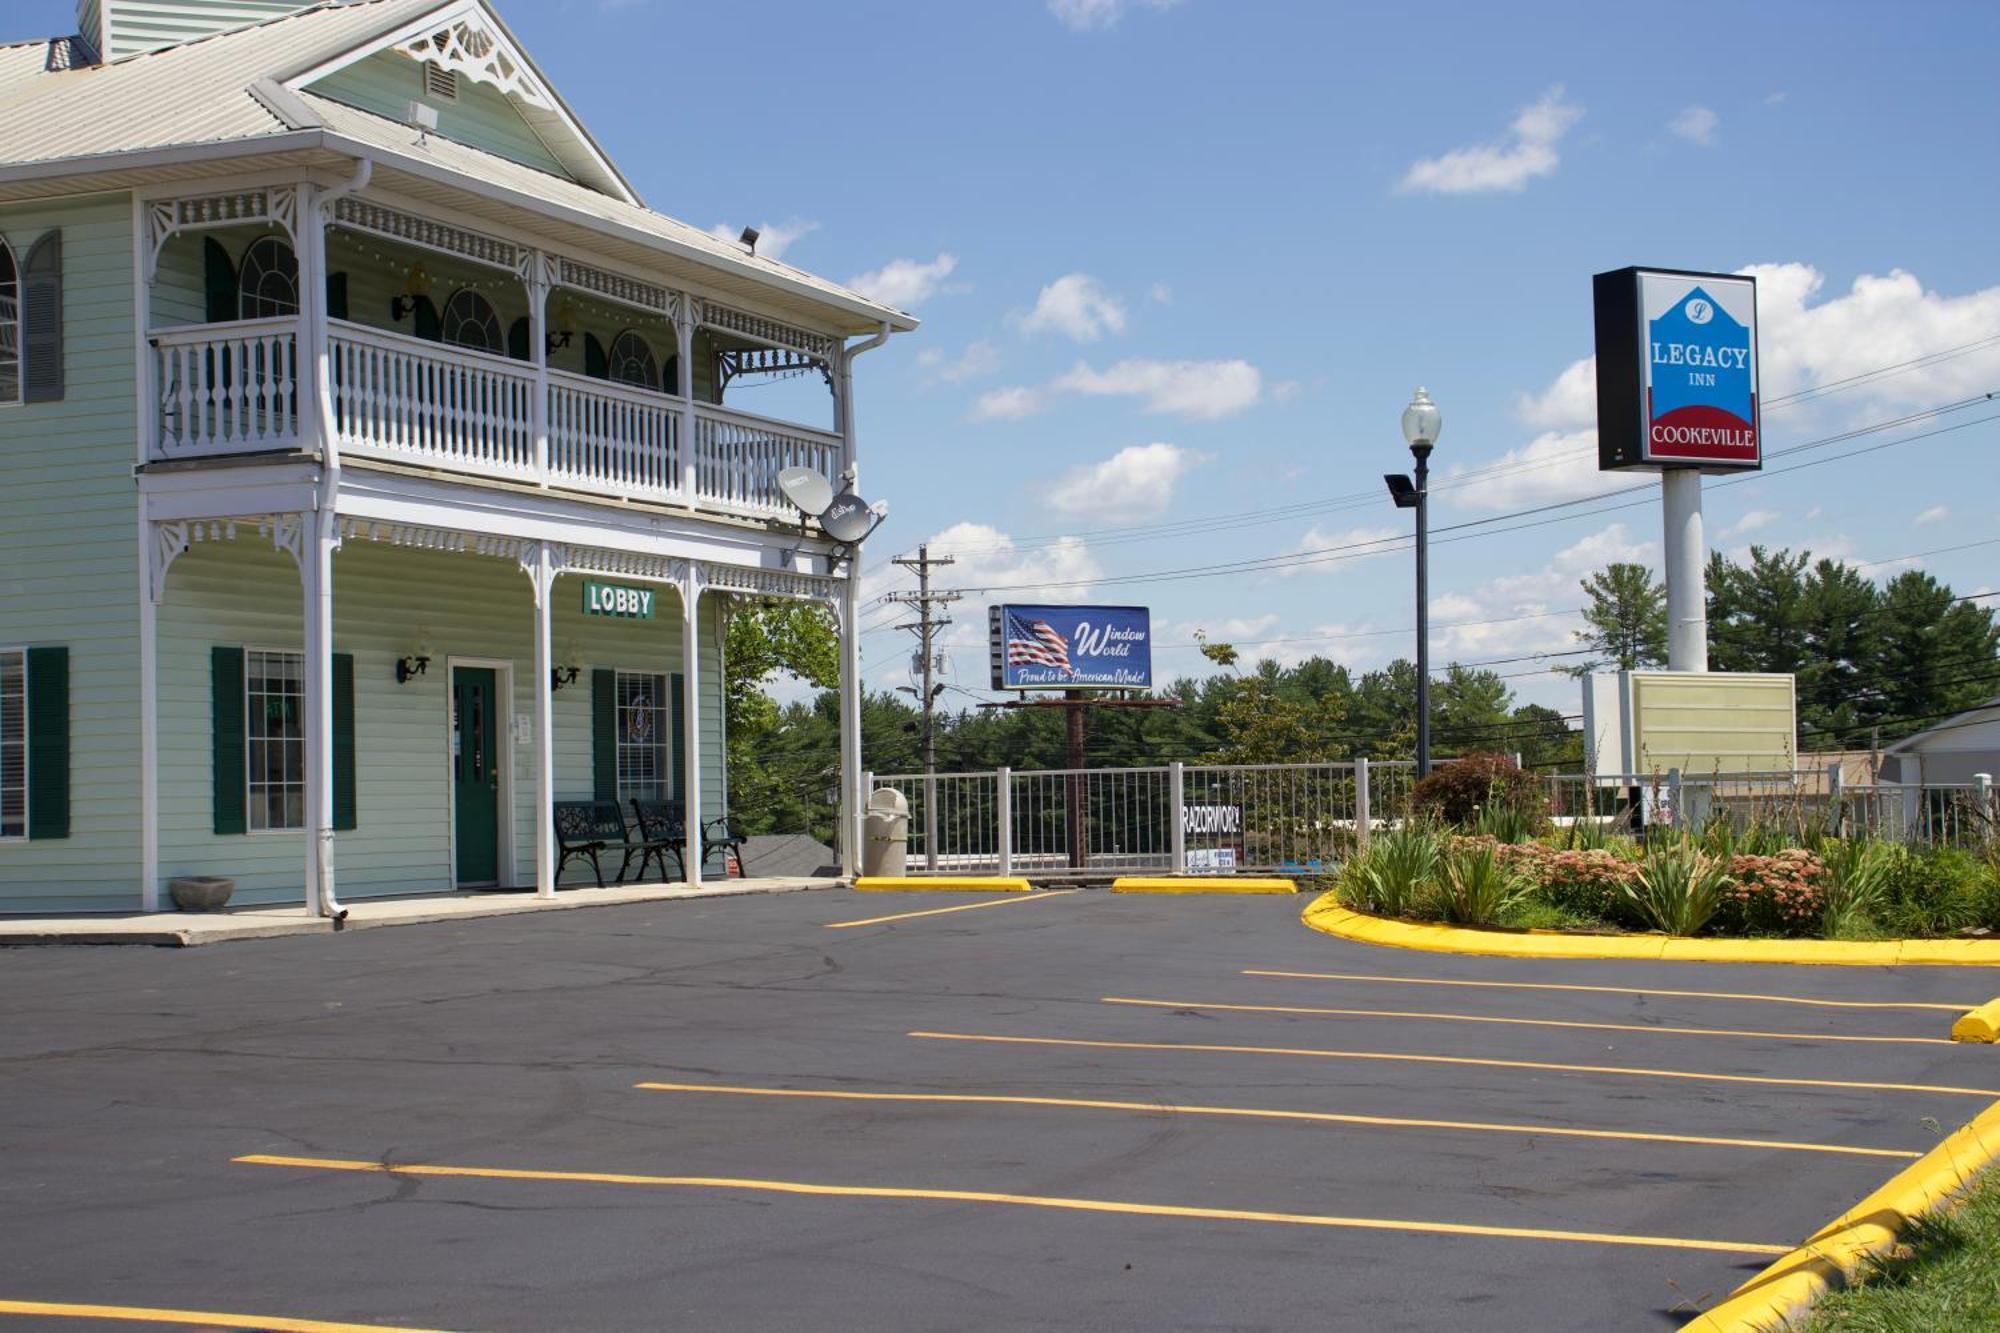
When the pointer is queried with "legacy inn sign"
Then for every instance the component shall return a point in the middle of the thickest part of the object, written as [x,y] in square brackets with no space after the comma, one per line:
[615,599]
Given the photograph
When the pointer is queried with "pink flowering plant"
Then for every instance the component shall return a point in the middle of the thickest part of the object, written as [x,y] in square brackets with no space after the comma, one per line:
[1781,894]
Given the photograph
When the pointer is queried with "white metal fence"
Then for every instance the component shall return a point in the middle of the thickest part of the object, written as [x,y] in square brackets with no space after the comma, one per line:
[1304,819]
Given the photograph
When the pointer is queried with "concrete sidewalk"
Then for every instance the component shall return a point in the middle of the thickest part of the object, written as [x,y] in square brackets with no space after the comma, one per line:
[253,923]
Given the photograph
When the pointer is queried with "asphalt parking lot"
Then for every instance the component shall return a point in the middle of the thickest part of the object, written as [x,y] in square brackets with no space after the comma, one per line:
[843,1111]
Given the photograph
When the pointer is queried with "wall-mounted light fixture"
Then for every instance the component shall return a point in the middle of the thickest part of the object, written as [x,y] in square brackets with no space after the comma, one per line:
[408,668]
[566,669]
[750,237]
[415,287]
[564,326]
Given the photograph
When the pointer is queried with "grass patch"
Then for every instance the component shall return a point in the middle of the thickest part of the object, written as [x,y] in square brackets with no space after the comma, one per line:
[1943,1278]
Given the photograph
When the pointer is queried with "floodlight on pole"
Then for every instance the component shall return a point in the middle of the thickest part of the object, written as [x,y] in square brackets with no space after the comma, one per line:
[1422,424]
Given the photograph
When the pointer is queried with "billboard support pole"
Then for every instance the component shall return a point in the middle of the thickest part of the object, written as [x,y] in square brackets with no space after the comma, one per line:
[1686,558]
[1074,704]
[1177,801]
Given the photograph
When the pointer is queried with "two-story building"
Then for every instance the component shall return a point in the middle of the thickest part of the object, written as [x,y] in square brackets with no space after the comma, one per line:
[374,471]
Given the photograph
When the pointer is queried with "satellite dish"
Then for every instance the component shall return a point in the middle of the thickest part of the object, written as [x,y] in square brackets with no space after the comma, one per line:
[807,489]
[848,518]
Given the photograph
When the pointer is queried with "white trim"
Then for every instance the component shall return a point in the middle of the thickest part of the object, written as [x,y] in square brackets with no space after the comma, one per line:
[503,691]
[27,723]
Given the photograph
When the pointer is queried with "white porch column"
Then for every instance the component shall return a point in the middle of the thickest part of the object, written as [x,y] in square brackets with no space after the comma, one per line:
[536,279]
[691,856]
[542,574]
[152,583]
[684,322]
[316,544]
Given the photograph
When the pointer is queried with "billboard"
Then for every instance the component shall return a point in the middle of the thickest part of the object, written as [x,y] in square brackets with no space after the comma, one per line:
[1701,722]
[1071,647]
[1677,371]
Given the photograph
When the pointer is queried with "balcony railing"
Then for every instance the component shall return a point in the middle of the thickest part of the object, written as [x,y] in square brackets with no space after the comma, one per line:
[237,387]
[227,388]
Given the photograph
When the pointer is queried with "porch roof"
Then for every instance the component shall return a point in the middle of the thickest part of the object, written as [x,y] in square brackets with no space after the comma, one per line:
[222,97]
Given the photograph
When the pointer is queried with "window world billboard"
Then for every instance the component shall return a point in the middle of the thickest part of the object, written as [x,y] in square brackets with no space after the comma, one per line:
[1071,647]
[1677,371]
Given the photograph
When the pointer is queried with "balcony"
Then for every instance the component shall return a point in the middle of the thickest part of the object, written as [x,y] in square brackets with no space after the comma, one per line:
[239,387]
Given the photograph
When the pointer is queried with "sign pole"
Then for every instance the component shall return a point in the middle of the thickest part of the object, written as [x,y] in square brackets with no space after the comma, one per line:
[1686,561]
[1073,715]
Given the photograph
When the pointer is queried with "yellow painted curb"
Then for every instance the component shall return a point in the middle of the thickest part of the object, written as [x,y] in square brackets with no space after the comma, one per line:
[1981,1024]
[1831,1254]
[1200,884]
[950,883]
[1326,914]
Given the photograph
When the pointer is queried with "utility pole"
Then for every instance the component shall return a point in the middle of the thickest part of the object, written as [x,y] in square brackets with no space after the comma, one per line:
[926,627]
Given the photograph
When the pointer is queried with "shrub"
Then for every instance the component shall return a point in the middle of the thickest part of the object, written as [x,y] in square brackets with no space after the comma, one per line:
[1587,883]
[1394,873]
[1931,891]
[1476,883]
[1459,791]
[1779,894]
[1678,886]
[1857,877]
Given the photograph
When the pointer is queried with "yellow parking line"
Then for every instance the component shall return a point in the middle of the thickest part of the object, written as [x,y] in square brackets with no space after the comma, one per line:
[1529,1022]
[1320,1117]
[1612,990]
[962,907]
[1025,1201]
[1465,1060]
[138,1314]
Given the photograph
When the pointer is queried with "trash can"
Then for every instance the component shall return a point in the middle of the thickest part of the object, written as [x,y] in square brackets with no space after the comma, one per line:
[886,835]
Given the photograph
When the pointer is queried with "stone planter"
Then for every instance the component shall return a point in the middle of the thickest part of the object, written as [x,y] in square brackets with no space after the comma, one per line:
[201,893]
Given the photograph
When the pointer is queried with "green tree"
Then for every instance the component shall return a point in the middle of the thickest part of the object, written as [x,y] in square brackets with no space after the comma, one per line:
[1930,654]
[778,758]
[1756,612]
[1841,614]
[1626,620]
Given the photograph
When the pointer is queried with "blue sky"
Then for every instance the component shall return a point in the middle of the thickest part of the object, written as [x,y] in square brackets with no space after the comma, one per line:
[1185,261]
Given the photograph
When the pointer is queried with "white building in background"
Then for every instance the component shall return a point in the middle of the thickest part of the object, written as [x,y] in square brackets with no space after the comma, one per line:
[373,473]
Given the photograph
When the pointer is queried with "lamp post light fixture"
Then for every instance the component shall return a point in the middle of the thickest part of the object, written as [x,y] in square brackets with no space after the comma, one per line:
[1422,423]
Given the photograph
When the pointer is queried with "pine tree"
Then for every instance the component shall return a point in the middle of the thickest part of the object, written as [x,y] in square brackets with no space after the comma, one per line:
[1627,619]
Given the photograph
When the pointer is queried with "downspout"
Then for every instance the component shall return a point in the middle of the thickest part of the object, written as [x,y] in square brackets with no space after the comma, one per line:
[852,796]
[326,520]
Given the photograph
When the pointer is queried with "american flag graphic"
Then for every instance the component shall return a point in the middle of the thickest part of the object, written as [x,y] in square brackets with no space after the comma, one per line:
[1035,643]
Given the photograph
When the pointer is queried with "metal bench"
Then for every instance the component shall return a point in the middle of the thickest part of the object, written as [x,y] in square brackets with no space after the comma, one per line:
[663,825]
[585,829]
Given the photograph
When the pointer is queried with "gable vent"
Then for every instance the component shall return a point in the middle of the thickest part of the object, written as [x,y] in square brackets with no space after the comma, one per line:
[439,82]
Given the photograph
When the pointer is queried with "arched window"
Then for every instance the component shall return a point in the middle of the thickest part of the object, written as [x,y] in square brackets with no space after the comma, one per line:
[267,283]
[470,321]
[10,326]
[632,361]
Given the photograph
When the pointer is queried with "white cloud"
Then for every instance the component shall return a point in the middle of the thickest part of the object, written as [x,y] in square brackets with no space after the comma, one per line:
[1229,629]
[977,360]
[1531,612]
[1333,544]
[1751,522]
[1696,124]
[1009,404]
[1554,466]
[1136,482]
[905,283]
[1569,404]
[1095,15]
[1935,514]
[774,238]
[1284,391]
[1528,152]
[1077,307]
[1163,293]
[987,556]
[1204,389]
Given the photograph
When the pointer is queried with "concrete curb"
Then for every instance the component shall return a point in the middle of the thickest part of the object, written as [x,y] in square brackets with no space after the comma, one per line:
[1832,1253]
[1981,1024]
[1325,914]
[1201,884]
[942,883]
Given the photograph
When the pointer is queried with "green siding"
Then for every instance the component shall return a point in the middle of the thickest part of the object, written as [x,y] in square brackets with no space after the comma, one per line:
[386,83]
[69,558]
[386,601]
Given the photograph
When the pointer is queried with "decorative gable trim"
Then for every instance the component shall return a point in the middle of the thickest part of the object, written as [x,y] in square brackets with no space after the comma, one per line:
[471,47]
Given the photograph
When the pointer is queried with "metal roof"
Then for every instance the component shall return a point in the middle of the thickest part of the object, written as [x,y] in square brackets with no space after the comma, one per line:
[220,92]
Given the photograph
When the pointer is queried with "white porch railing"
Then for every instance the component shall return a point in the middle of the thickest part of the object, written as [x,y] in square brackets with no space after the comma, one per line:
[419,402]
[238,387]
[737,459]
[228,388]
[613,438]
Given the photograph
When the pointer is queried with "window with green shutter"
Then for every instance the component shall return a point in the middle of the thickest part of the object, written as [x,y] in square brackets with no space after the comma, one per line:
[13,744]
[226,709]
[48,742]
[257,714]
[604,734]
[345,811]
[679,706]
[42,321]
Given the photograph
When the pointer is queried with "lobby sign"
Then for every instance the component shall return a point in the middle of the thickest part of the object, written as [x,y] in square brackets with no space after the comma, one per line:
[1677,371]
[615,599]
[1071,647]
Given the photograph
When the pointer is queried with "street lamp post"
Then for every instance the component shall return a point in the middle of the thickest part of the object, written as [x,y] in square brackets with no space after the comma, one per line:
[1422,423]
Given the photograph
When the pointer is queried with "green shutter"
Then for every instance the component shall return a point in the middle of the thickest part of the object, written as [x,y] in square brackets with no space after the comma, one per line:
[678,693]
[425,320]
[226,708]
[42,322]
[519,335]
[48,742]
[336,296]
[343,741]
[219,280]
[595,363]
[604,734]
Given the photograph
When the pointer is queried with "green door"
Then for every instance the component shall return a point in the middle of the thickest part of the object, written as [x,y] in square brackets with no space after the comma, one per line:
[475,727]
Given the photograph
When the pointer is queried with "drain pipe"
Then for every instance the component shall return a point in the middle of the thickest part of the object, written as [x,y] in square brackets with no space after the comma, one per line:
[326,521]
